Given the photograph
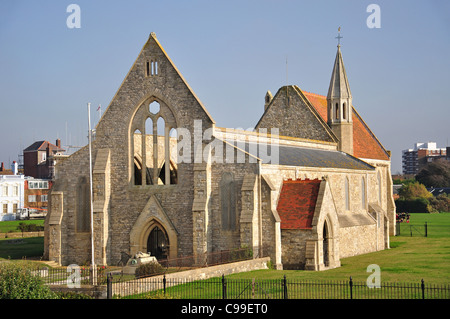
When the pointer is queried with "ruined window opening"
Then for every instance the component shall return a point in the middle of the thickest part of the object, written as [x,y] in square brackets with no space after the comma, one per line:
[228,201]
[154,146]
[154,107]
[155,68]
[137,172]
[151,68]
[172,171]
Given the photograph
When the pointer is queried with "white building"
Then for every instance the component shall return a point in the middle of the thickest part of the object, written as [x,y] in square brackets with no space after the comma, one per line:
[11,195]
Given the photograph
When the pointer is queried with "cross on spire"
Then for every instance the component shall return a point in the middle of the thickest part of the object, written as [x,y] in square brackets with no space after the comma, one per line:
[339,36]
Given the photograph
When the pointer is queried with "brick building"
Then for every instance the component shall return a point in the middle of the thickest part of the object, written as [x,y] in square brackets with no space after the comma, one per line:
[414,159]
[39,159]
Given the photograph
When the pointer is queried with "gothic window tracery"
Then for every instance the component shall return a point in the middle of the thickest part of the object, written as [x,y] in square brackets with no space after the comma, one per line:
[153,146]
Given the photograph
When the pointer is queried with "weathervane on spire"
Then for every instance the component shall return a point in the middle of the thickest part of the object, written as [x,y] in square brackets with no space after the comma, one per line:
[339,36]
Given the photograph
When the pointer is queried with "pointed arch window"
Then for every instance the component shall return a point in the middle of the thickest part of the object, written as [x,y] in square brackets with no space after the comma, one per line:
[228,201]
[363,193]
[379,187]
[83,221]
[152,145]
[325,245]
[337,111]
[347,193]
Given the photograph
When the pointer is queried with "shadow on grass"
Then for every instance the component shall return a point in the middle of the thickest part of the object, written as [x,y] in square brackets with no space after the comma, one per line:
[20,248]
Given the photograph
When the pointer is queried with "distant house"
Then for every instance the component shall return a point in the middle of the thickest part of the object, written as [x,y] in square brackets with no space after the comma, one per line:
[39,159]
[11,192]
[36,194]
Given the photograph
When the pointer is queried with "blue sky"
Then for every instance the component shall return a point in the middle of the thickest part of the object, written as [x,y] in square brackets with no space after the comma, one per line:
[230,52]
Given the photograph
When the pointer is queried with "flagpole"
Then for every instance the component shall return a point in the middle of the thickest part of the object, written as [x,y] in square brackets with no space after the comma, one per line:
[91,196]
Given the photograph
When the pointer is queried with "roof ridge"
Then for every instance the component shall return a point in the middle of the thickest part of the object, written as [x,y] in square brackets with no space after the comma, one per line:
[313,93]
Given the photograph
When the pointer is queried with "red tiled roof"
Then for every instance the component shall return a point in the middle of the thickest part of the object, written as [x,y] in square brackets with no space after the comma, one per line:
[365,144]
[297,203]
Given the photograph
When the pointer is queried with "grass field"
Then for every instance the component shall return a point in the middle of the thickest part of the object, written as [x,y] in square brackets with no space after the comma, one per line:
[11,226]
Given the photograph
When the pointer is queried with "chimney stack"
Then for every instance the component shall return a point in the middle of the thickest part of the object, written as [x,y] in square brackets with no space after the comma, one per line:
[58,143]
[14,167]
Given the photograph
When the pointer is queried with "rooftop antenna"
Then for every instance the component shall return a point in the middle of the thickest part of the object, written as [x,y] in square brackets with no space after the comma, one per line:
[287,70]
[287,87]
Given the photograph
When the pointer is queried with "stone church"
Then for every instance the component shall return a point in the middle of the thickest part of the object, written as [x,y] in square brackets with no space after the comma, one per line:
[311,184]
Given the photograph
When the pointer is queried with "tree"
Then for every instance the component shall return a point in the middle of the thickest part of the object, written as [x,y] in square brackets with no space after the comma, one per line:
[435,174]
[413,191]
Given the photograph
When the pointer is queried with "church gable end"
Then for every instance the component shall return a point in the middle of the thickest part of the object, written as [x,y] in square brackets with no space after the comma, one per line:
[153,76]
[293,115]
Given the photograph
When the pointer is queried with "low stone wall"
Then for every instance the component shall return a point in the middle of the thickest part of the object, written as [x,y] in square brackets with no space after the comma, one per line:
[138,286]
[22,234]
[219,270]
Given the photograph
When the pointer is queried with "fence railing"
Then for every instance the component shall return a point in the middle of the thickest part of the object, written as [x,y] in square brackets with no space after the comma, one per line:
[224,288]
[407,229]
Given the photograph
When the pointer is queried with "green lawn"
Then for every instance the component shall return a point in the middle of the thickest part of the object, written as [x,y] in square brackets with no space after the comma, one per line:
[11,226]
[21,248]
[410,259]
[32,247]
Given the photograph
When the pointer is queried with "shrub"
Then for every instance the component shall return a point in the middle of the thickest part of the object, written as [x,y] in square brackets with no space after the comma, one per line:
[17,282]
[148,269]
[417,205]
[23,227]
[441,203]
[73,295]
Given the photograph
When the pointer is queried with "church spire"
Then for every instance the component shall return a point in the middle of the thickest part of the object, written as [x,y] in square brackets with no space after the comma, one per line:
[339,103]
[339,87]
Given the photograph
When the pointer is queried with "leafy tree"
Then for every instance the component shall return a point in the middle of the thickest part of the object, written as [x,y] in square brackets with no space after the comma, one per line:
[413,191]
[435,174]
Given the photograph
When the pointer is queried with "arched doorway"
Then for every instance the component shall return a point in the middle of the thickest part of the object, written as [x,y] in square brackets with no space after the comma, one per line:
[158,243]
[326,258]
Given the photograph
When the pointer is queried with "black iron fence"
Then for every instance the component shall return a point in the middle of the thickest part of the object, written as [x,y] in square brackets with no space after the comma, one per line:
[224,288]
[172,286]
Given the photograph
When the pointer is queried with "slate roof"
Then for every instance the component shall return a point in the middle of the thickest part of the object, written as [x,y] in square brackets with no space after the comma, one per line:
[41,146]
[297,203]
[306,157]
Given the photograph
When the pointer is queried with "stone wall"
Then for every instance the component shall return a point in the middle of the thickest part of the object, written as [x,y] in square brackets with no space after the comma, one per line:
[294,116]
